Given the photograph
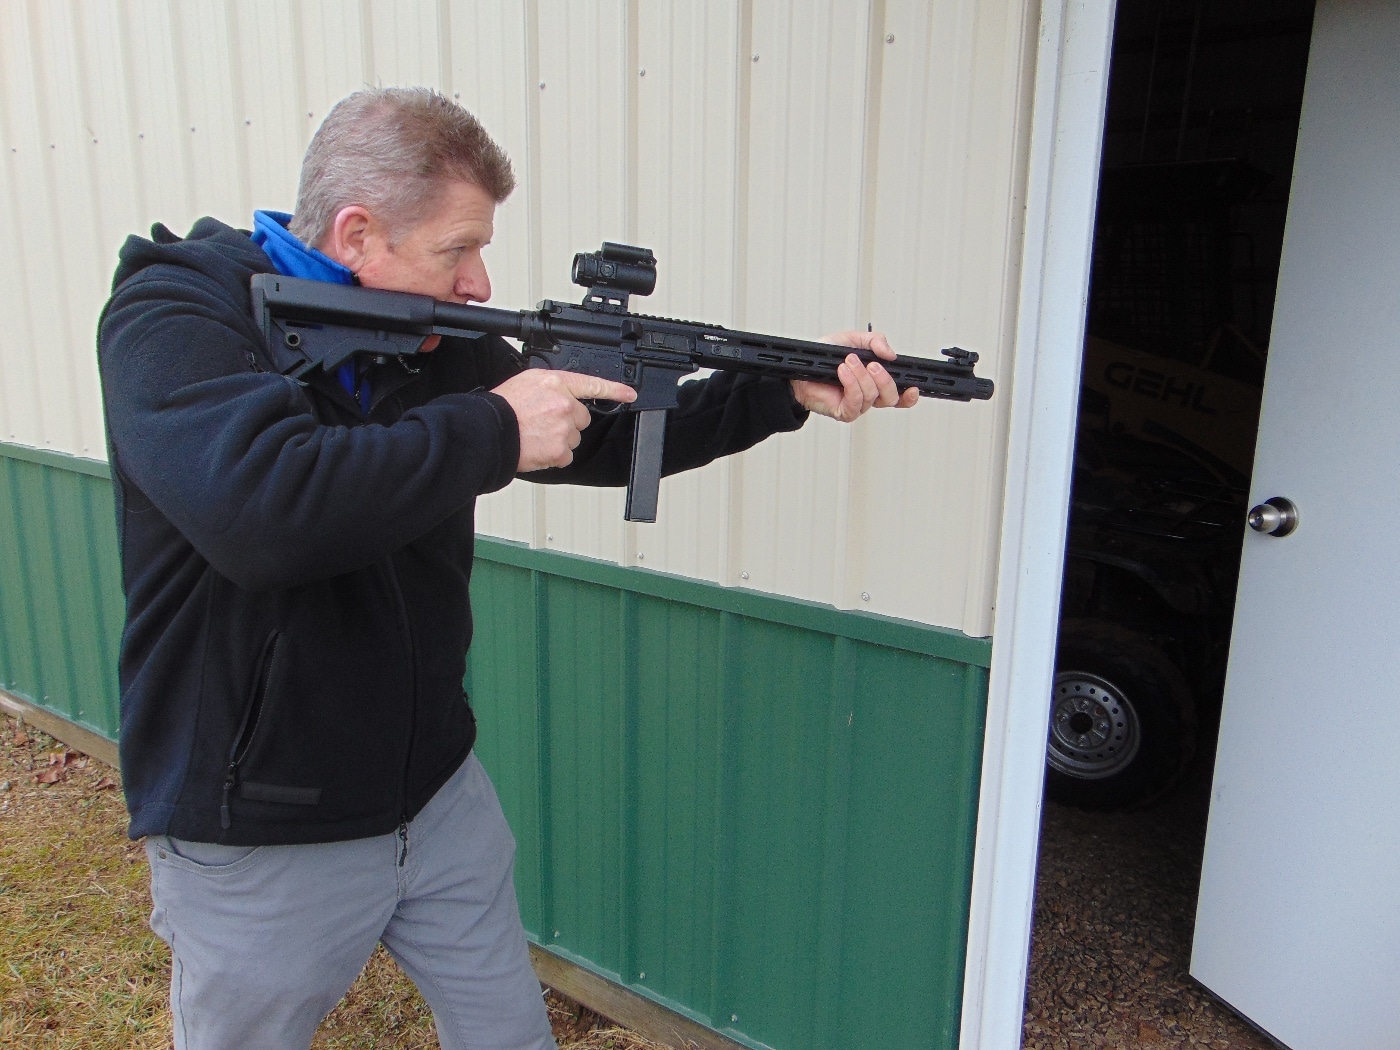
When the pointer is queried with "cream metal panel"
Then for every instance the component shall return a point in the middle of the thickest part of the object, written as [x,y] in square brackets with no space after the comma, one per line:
[328,51]
[72,163]
[165,171]
[405,42]
[804,128]
[277,102]
[582,175]
[205,65]
[945,223]
[492,71]
[49,181]
[487,70]
[798,168]
[688,75]
[21,192]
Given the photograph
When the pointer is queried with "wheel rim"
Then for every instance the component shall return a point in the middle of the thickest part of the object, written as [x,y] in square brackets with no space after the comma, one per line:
[1094,731]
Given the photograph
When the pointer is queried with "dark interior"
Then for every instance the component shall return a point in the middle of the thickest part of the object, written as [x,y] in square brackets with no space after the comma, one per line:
[1202,117]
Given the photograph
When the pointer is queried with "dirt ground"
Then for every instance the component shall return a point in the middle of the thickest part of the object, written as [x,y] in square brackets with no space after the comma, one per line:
[1114,915]
[80,968]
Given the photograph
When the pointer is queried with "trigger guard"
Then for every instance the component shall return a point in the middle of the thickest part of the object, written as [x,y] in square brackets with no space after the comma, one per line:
[602,407]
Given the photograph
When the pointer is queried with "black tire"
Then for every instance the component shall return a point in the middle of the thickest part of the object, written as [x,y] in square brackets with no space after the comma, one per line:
[1122,722]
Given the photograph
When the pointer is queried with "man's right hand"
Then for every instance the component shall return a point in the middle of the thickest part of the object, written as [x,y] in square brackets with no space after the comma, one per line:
[549,408]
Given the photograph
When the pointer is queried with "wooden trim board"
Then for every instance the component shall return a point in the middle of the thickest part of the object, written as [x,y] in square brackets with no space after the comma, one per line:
[58,727]
[626,1007]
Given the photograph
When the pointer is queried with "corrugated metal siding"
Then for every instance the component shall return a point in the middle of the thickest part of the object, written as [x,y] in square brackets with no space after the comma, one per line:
[760,818]
[757,811]
[61,608]
[798,168]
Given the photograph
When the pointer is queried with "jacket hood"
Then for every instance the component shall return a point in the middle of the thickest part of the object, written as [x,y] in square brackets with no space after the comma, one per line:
[212,248]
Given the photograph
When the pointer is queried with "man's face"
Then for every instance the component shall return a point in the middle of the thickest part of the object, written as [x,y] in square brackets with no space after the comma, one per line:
[441,256]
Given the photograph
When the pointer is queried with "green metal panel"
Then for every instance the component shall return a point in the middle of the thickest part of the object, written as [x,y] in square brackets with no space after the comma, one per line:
[757,811]
[504,603]
[741,806]
[61,606]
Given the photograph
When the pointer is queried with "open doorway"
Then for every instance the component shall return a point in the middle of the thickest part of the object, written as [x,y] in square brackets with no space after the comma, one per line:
[1202,118]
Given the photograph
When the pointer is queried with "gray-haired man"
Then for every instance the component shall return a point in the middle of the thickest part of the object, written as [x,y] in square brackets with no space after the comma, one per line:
[296,746]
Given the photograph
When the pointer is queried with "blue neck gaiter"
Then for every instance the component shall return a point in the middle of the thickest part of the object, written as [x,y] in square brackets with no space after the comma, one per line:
[295,259]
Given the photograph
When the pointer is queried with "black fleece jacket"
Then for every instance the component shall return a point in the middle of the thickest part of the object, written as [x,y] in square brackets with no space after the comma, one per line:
[296,571]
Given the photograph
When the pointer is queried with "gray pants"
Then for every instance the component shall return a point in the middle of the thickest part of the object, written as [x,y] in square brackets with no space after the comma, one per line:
[266,940]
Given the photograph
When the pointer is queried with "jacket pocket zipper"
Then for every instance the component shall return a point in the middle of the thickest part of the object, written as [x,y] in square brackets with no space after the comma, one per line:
[249,726]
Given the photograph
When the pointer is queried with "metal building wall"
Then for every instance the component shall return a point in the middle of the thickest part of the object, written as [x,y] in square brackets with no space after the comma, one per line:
[798,168]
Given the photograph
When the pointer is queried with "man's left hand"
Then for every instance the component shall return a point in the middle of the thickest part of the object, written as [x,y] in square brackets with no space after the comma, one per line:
[863,386]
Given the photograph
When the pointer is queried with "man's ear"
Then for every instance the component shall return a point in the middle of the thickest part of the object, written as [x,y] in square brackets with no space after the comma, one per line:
[351,237]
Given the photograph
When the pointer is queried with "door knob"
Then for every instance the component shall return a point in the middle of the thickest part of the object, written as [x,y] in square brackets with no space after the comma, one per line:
[1274,517]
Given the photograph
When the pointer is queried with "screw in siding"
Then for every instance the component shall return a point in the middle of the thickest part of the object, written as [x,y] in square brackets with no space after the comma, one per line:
[865,596]
[889,39]
[640,556]
[642,73]
[744,575]
[755,58]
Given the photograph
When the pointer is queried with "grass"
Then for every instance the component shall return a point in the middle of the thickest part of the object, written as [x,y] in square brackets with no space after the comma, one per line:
[79,966]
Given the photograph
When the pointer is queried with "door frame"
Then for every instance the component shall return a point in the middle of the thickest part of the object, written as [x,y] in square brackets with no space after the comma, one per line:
[1065,144]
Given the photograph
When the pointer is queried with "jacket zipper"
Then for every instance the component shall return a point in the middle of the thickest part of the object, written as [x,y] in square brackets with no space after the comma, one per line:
[412,716]
[251,716]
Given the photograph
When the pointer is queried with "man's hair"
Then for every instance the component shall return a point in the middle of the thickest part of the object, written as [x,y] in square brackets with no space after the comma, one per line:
[389,150]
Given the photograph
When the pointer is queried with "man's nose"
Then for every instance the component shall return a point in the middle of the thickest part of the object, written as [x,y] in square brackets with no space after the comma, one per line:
[473,282]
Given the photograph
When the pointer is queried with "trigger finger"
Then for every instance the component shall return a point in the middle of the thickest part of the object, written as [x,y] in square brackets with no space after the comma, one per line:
[611,391]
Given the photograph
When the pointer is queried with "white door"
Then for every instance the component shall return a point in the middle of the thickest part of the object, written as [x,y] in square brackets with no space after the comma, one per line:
[1298,925]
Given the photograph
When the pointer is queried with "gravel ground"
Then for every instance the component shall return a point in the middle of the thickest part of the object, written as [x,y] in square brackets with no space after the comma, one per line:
[1114,911]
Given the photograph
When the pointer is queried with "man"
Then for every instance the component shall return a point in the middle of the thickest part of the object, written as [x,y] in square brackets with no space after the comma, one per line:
[296,746]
